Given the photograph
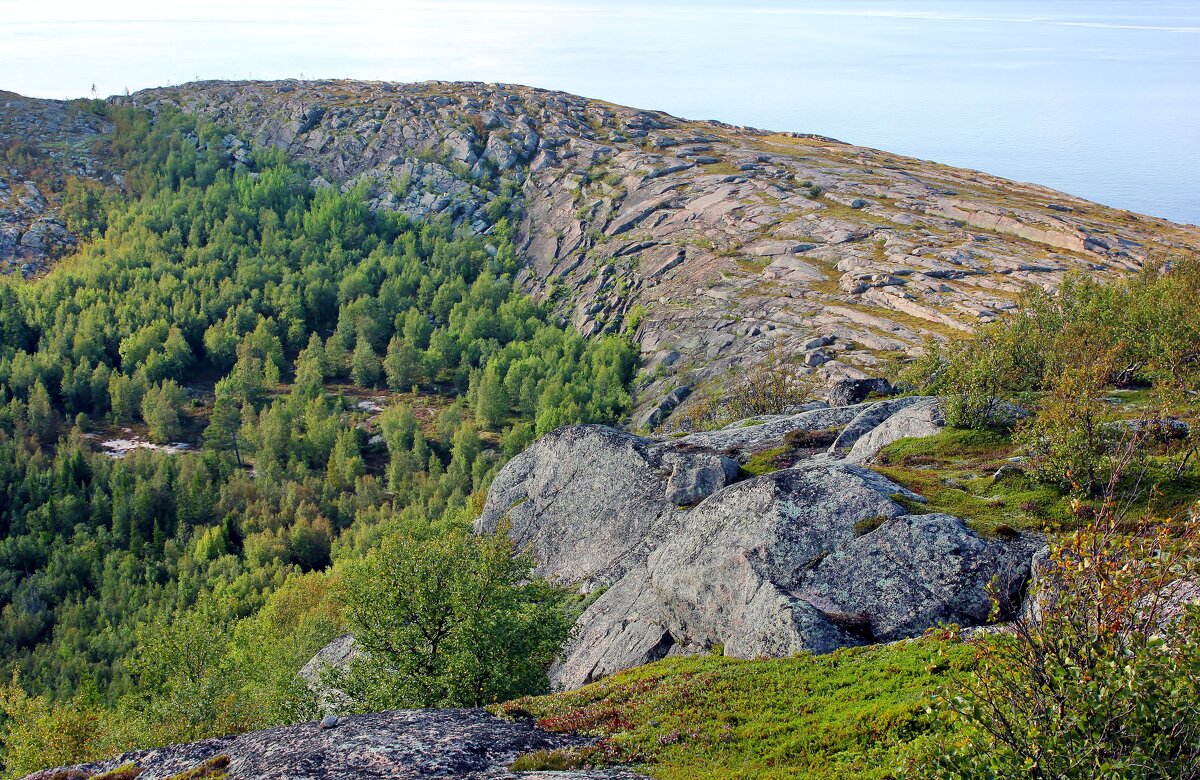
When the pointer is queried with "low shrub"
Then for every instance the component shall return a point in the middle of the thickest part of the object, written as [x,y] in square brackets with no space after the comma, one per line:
[1099,677]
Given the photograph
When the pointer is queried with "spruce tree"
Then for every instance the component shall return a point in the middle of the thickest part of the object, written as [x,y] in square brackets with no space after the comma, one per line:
[364,365]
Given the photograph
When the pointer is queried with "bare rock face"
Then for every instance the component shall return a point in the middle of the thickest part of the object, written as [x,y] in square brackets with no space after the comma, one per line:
[589,501]
[940,567]
[728,577]
[723,241]
[398,745]
[769,430]
[869,420]
[812,557]
[847,391]
[337,655]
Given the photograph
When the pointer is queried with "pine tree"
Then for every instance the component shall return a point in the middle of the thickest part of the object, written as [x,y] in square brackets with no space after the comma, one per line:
[225,421]
[491,401]
[248,375]
[160,411]
[364,365]
[345,462]
[310,369]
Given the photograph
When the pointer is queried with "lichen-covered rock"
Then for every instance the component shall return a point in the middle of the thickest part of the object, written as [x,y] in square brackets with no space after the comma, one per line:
[915,571]
[729,576]
[589,502]
[768,431]
[869,418]
[623,628]
[695,476]
[849,391]
[813,557]
[398,745]
[335,656]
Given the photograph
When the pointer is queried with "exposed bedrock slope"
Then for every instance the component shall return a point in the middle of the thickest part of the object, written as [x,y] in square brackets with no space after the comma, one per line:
[710,242]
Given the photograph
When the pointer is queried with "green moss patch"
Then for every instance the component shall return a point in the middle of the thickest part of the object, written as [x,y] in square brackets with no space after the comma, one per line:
[954,471]
[848,714]
[868,524]
[214,768]
[123,772]
[766,462]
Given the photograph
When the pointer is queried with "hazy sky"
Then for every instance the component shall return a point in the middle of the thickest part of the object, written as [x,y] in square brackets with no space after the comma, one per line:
[1101,98]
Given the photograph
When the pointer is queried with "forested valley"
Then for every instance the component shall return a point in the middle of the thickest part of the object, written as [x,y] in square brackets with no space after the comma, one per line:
[340,376]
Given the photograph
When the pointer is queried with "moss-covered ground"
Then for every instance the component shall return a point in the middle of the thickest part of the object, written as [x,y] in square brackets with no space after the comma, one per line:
[848,714]
[957,471]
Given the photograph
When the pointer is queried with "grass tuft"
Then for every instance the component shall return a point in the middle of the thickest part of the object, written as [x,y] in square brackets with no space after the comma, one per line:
[869,524]
[548,761]
[123,772]
[766,462]
[214,768]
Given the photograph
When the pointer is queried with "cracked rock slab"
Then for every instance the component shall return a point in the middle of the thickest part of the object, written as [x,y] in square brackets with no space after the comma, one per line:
[464,744]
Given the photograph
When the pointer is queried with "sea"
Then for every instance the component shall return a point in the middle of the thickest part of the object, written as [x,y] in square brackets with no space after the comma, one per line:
[1099,98]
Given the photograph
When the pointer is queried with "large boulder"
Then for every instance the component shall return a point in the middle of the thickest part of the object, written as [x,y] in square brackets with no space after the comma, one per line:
[915,571]
[729,577]
[682,556]
[849,390]
[870,417]
[334,657]
[623,628]
[589,501]
[696,475]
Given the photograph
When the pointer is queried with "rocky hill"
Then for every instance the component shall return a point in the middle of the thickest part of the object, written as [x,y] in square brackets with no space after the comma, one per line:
[714,241]
[710,245]
[709,242]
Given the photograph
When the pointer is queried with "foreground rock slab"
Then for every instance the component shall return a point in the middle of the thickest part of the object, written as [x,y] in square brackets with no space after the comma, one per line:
[398,745]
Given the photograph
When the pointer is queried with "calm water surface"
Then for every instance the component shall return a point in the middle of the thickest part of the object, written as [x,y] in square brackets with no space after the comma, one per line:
[1098,98]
